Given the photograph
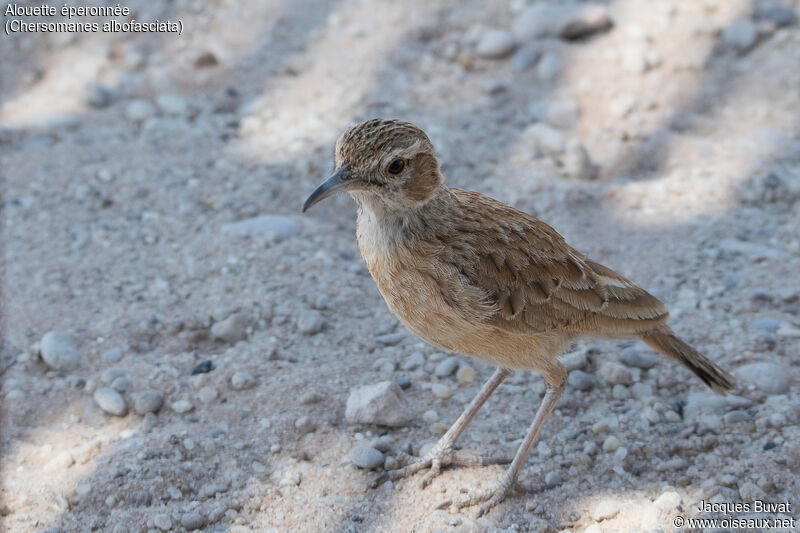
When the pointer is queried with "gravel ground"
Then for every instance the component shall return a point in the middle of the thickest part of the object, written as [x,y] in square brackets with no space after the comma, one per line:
[182,350]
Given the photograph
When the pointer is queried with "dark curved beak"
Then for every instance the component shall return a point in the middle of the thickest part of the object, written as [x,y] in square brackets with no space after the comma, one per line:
[338,182]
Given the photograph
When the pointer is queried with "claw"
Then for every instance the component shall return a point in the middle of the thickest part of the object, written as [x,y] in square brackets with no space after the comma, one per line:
[436,468]
[491,496]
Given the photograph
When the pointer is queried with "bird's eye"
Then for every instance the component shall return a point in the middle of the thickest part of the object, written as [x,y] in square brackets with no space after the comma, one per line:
[397,166]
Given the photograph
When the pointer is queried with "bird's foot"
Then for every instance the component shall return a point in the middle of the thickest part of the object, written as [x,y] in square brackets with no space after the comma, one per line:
[437,458]
[489,497]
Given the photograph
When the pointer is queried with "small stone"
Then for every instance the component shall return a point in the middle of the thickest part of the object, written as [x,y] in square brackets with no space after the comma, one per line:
[279,227]
[413,361]
[634,357]
[207,395]
[620,392]
[611,444]
[574,360]
[112,355]
[651,415]
[382,403]
[605,510]
[672,416]
[549,66]
[203,368]
[391,463]
[577,164]
[58,352]
[110,401]
[767,324]
[162,521]
[580,380]
[442,391]
[438,428]
[390,339]
[606,425]
[310,397]
[110,374]
[304,425]
[740,35]
[140,498]
[465,374]
[310,322]
[206,60]
[770,378]
[121,384]
[552,479]
[192,520]
[97,96]
[182,406]
[778,14]
[495,44]
[62,461]
[364,456]
[139,110]
[524,59]
[446,367]
[546,139]
[242,381]
[668,501]
[430,416]
[383,443]
[567,21]
[233,329]
[615,374]
[147,401]
[564,113]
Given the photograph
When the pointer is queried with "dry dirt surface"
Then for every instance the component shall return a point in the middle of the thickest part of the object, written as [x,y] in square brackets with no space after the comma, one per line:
[179,344]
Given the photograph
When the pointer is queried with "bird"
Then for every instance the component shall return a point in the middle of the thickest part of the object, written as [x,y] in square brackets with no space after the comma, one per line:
[470,274]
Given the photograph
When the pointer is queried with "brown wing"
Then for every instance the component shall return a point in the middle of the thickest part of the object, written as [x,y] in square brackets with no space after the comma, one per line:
[534,281]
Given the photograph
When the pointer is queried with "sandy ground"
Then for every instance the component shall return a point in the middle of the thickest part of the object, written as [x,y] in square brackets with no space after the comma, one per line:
[125,158]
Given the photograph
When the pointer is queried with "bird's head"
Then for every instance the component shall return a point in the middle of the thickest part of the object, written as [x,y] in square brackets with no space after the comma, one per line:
[384,164]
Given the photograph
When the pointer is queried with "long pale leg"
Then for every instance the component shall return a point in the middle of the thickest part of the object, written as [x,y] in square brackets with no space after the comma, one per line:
[495,494]
[442,454]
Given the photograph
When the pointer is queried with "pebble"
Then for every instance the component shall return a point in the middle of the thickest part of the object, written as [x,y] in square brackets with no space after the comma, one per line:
[203,368]
[442,391]
[577,164]
[139,110]
[606,425]
[110,401]
[304,425]
[112,355]
[390,339]
[552,479]
[364,456]
[615,374]
[207,395]
[605,510]
[233,329]
[121,384]
[767,324]
[446,367]
[634,357]
[403,383]
[58,352]
[182,406]
[279,227]
[140,498]
[740,35]
[147,401]
[310,397]
[310,322]
[384,443]
[383,403]
[242,381]
[172,104]
[546,139]
[97,96]
[391,463]
[611,444]
[580,380]
[568,21]
[465,374]
[524,59]
[576,360]
[549,66]
[495,44]
[110,374]
[620,392]
[770,378]
[192,520]
[564,113]
[430,416]
[413,361]
[162,521]
[778,14]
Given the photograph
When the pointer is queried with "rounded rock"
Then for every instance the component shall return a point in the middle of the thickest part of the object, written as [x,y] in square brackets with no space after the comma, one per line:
[465,374]
[442,391]
[192,520]
[304,425]
[495,44]
[162,521]
[139,110]
[446,367]
[581,380]
[364,456]
[110,401]
[769,378]
[147,401]
[58,352]
[242,381]
[605,510]
[611,444]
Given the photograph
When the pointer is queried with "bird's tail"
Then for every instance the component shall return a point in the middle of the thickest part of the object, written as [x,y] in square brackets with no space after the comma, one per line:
[663,340]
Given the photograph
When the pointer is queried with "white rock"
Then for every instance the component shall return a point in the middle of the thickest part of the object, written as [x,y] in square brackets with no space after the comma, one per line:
[110,401]
[172,104]
[112,355]
[147,401]
[304,425]
[465,374]
[442,391]
[495,44]
[280,227]
[182,406]
[232,329]
[139,110]
[413,361]
[382,403]
[162,521]
[611,444]
[770,378]
[364,456]
[574,360]
[58,352]
[242,381]
[546,139]
[614,373]
[577,164]
[634,357]
[192,520]
[310,322]
[740,35]
[605,510]
[446,367]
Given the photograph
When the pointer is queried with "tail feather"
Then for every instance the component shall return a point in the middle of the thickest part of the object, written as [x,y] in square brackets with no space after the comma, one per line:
[664,340]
